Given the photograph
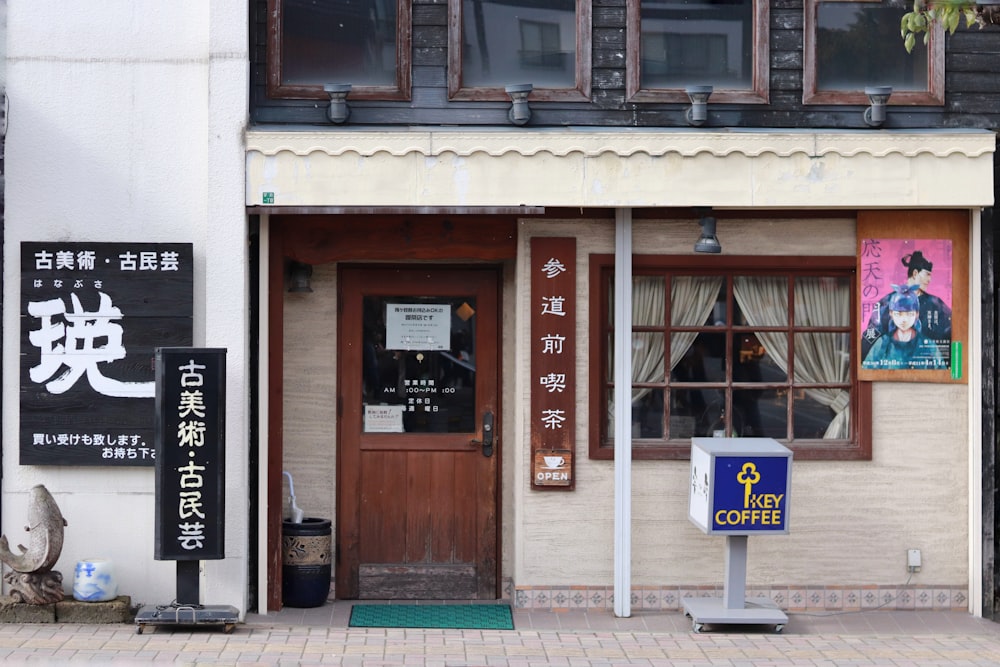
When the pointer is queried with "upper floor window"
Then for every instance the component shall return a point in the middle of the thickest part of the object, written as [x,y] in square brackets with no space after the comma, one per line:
[741,348]
[497,43]
[673,44]
[365,43]
[849,45]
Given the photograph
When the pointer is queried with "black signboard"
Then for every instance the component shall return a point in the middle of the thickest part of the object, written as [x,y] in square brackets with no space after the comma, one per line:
[190,453]
[92,315]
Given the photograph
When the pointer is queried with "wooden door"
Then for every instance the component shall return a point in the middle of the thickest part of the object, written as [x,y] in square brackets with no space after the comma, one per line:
[418,445]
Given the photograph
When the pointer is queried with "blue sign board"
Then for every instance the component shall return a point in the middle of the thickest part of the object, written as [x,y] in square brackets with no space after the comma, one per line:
[750,493]
[740,486]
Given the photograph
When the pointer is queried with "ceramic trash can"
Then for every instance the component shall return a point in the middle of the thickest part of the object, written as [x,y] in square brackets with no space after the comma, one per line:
[94,581]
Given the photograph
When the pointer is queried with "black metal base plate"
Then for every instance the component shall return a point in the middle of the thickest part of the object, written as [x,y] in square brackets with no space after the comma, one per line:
[186,615]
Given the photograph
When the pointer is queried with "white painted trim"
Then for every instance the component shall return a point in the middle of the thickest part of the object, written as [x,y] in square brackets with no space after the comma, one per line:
[974,356]
[623,412]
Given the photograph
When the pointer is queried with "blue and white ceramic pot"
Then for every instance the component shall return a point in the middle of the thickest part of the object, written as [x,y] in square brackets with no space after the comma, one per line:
[95,581]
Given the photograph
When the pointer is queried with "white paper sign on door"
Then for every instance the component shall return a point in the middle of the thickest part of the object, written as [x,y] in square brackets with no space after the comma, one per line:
[417,326]
[384,418]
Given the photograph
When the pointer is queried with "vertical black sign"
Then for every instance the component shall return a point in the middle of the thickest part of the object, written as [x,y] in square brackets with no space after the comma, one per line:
[190,453]
[91,316]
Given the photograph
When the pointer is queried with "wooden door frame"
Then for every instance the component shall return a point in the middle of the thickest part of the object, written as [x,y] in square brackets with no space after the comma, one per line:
[319,239]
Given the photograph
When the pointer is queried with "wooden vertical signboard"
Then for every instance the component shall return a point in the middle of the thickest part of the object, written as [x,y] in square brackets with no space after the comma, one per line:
[190,518]
[553,362]
[190,463]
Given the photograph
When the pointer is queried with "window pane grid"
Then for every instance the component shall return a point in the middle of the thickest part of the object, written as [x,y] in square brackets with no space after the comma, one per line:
[760,393]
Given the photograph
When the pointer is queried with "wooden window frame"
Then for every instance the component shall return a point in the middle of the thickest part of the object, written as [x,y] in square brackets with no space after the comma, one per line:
[759,93]
[278,90]
[934,95]
[580,93]
[601,445]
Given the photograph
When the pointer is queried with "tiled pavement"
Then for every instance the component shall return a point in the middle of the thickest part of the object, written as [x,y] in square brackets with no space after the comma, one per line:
[320,636]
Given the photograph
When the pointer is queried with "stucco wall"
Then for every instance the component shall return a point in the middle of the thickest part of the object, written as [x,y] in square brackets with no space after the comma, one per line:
[850,522]
[310,400]
[114,136]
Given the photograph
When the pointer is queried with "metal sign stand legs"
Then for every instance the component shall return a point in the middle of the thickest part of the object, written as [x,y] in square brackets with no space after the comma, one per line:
[186,610]
[734,607]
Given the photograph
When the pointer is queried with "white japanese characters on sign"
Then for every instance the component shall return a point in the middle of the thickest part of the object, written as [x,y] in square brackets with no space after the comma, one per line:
[91,317]
[191,435]
[553,297]
[80,340]
[190,447]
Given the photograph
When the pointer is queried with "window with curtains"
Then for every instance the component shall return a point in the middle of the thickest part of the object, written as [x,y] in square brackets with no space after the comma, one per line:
[733,347]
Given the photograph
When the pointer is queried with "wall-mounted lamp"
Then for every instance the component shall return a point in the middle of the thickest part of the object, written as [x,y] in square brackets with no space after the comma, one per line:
[697,113]
[879,97]
[707,242]
[520,112]
[299,275]
[338,111]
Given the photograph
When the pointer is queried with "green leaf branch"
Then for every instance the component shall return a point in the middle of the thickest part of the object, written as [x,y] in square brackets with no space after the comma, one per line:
[946,13]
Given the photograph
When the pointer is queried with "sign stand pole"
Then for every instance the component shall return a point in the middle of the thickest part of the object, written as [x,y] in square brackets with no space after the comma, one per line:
[734,606]
[186,610]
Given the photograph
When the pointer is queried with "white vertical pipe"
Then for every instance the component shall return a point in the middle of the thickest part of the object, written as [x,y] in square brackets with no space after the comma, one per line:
[623,412]
[972,355]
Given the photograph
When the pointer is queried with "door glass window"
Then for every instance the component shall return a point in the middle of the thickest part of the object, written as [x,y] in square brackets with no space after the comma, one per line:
[419,364]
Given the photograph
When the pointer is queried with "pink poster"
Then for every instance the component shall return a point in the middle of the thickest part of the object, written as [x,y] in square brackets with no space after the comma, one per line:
[906,292]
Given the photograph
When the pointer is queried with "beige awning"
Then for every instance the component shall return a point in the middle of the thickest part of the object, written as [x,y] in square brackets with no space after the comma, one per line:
[623,167]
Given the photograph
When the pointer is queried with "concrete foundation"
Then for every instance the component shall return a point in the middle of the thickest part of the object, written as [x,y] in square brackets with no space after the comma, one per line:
[69,610]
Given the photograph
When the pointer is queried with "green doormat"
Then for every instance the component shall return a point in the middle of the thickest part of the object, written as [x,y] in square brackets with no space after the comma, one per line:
[468,616]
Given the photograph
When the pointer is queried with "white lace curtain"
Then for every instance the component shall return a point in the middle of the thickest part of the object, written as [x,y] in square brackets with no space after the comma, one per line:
[820,358]
[691,299]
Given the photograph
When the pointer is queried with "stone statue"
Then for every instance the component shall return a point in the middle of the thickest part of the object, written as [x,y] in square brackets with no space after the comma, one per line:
[33,579]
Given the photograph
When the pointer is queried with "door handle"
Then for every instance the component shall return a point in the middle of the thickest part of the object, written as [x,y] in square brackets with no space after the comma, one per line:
[487,442]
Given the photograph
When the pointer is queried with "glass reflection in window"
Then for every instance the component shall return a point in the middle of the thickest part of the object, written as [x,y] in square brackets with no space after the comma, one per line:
[513,42]
[858,45]
[333,41]
[694,42]
[419,387]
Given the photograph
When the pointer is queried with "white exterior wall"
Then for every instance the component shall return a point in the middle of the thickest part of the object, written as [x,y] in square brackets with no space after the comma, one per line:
[125,124]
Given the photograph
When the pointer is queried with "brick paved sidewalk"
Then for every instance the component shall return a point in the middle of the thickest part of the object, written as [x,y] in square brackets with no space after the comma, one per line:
[875,639]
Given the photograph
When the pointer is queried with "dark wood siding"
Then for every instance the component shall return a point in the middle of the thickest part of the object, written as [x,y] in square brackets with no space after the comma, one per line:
[972,84]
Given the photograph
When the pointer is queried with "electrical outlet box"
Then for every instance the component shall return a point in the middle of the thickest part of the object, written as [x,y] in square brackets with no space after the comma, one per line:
[913,560]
